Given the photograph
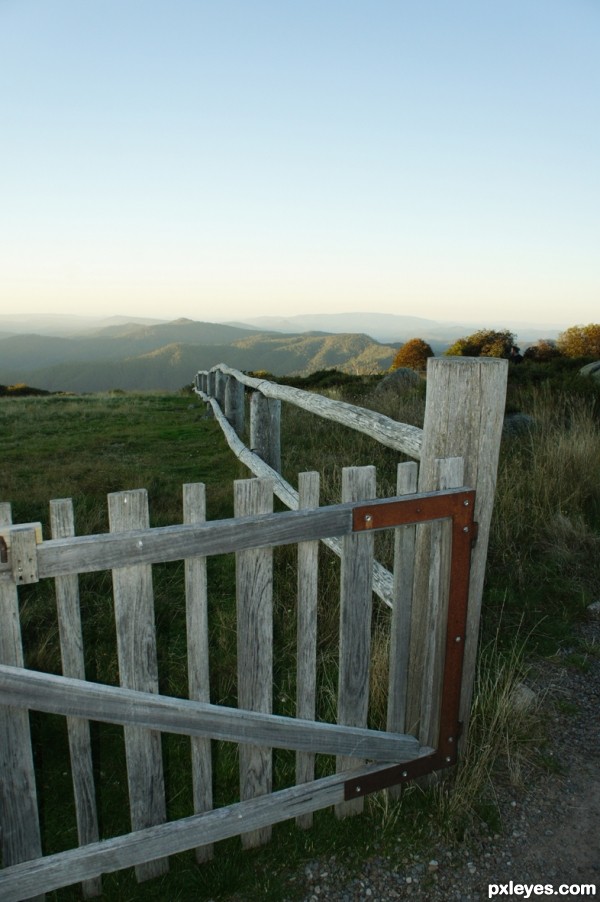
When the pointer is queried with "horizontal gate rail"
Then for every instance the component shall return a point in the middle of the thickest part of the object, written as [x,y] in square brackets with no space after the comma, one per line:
[32,561]
[112,704]
[24,880]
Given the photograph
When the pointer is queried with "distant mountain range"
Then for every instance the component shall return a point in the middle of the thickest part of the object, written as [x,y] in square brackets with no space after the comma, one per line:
[86,354]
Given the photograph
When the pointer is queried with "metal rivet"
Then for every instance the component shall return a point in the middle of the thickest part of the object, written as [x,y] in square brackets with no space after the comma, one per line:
[448,759]
[466,503]
[458,638]
[368,518]
[450,738]
[357,789]
[465,528]
[405,773]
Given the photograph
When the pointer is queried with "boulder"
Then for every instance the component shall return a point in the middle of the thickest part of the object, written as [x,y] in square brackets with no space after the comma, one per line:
[518,424]
[398,380]
[591,369]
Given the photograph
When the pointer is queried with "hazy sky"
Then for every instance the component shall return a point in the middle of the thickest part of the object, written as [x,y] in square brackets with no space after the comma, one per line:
[234,157]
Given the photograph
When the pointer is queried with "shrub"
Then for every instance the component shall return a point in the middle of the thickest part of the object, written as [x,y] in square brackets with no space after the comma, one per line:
[413,354]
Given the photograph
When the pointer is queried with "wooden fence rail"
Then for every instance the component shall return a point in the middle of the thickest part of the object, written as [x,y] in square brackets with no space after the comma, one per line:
[434,591]
[464,414]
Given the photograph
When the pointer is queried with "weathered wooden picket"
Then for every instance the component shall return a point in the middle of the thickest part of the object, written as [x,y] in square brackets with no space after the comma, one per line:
[434,590]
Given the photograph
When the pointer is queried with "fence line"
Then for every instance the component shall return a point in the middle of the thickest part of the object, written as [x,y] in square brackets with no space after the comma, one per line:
[464,414]
[143,713]
[434,629]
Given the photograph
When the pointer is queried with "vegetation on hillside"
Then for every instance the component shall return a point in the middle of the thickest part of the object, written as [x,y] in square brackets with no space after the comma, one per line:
[485,343]
[413,354]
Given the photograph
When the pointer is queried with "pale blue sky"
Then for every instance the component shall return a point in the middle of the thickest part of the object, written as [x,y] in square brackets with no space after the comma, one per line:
[220,159]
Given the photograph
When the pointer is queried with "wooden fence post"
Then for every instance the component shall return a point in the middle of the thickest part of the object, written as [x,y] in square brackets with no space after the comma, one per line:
[196,606]
[306,681]
[220,383]
[254,592]
[356,603]
[463,418]
[138,669]
[234,404]
[210,383]
[265,429]
[19,820]
[62,524]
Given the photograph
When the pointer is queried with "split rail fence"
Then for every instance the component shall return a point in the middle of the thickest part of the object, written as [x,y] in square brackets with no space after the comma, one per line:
[434,591]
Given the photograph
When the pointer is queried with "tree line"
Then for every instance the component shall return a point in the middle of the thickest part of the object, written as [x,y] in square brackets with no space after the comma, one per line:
[574,343]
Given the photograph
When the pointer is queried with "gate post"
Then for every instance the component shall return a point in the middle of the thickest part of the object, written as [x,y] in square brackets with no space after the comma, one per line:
[463,418]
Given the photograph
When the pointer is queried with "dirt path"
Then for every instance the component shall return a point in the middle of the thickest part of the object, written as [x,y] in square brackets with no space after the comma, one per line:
[550,836]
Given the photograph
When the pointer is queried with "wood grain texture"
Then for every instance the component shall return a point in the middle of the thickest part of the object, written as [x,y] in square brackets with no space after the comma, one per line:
[124,851]
[265,429]
[19,820]
[235,412]
[356,603]
[114,704]
[463,418]
[196,600]
[62,525]
[449,475]
[254,594]
[306,657]
[138,669]
[404,560]
[382,578]
[388,432]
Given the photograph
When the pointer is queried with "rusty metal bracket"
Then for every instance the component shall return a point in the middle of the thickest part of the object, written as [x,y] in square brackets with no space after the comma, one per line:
[458,505]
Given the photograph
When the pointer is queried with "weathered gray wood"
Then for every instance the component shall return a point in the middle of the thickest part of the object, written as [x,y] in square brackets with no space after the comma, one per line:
[19,822]
[254,592]
[234,404]
[449,474]
[463,418]
[194,511]
[114,704]
[404,559]
[382,578]
[168,839]
[23,553]
[62,525]
[220,381]
[306,666]
[211,383]
[265,429]
[356,602]
[138,669]
[388,432]
[84,554]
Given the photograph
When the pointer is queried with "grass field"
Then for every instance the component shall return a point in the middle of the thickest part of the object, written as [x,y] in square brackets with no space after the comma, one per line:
[544,567]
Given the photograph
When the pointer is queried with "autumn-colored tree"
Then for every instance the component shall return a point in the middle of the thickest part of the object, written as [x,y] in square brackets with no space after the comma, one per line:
[580,341]
[412,354]
[485,343]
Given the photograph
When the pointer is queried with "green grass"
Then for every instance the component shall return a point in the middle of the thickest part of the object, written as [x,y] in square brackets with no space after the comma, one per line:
[543,567]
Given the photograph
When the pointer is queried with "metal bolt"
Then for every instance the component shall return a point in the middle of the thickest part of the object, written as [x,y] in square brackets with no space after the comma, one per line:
[466,503]
[368,518]
[458,638]
[357,789]
[448,759]
[450,738]
[405,773]
[465,528]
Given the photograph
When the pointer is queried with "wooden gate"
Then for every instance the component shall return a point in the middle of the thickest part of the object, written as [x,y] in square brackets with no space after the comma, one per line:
[365,760]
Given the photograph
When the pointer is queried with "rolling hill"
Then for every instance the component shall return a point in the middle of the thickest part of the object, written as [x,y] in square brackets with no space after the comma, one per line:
[165,356]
